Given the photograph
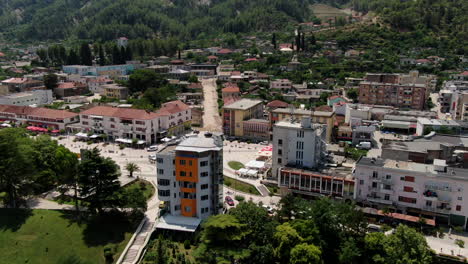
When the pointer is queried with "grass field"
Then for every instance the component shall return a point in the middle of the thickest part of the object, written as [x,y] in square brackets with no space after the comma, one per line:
[240,186]
[145,186]
[325,11]
[46,236]
[235,165]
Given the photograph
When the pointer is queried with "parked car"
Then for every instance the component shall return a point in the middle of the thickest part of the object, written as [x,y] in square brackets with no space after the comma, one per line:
[152,148]
[268,208]
[229,200]
[152,157]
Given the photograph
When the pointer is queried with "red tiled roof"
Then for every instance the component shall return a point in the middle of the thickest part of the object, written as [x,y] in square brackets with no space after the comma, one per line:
[224,51]
[465,73]
[212,57]
[2,54]
[124,113]
[235,73]
[66,85]
[172,108]
[15,80]
[277,104]
[231,89]
[177,61]
[37,111]
[251,59]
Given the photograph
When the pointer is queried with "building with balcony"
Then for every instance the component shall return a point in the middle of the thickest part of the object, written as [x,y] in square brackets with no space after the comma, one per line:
[297,145]
[35,97]
[284,85]
[126,123]
[434,191]
[403,91]
[190,181]
[318,117]
[115,91]
[236,113]
[38,116]
[16,85]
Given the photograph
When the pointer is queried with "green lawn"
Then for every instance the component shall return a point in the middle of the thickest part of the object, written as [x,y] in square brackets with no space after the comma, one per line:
[145,186]
[235,165]
[46,236]
[240,186]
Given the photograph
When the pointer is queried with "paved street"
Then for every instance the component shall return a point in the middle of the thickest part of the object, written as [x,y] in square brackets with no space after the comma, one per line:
[121,157]
[436,108]
[211,119]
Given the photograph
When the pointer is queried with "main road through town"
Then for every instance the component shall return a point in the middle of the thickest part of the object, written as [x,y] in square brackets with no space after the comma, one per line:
[211,119]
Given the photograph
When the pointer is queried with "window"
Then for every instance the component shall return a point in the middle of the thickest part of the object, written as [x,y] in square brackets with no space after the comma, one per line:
[300,134]
[164,193]
[164,182]
[160,160]
[387,197]
[204,186]
[204,210]
[458,208]
[300,145]
[374,185]
[112,119]
[299,155]
[375,174]
[85,123]
[175,195]
[190,163]
[177,208]
[388,177]
[407,199]
[409,178]
[187,209]
[204,174]
[387,187]
[182,162]
[160,171]
[280,152]
[460,198]
[204,197]
[280,142]
[279,160]
[112,126]
[361,182]
[408,189]
[182,174]
[429,203]
[203,163]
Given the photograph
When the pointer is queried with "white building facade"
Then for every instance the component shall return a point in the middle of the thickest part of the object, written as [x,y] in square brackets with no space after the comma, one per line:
[297,144]
[35,98]
[432,190]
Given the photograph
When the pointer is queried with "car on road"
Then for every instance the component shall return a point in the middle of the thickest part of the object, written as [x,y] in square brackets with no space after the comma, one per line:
[229,200]
[268,208]
[152,157]
[152,148]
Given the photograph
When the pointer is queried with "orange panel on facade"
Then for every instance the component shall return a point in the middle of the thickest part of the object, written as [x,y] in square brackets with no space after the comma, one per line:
[189,166]
[189,207]
[188,190]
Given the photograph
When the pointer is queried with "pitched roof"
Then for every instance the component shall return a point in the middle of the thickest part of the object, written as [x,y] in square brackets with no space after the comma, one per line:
[2,54]
[231,89]
[123,113]
[224,51]
[37,111]
[66,85]
[195,86]
[277,103]
[15,80]
[172,107]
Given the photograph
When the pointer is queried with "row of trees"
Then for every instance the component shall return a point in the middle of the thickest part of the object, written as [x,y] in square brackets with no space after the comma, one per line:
[324,231]
[58,55]
[31,166]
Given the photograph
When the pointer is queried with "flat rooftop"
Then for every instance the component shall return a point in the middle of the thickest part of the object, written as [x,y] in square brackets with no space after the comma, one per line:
[428,169]
[243,104]
[178,223]
[437,122]
[200,143]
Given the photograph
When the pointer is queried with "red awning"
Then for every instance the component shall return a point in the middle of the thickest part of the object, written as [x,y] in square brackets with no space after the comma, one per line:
[408,218]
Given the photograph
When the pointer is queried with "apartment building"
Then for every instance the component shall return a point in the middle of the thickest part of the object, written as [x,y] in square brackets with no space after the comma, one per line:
[297,144]
[115,91]
[38,116]
[127,123]
[318,117]
[235,113]
[432,190]
[36,97]
[190,181]
[403,91]
[282,84]
[16,85]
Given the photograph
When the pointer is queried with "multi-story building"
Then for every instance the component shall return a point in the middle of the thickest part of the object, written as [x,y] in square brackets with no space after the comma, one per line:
[38,116]
[16,85]
[404,91]
[432,190]
[109,70]
[95,84]
[459,105]
[258,129]
[126,123]
[297,144]
[67,89]
[35,97]
[115,91]
[236,113]
[190,178]
[282,84]
[319,117]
